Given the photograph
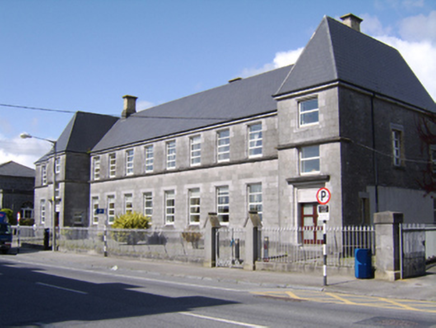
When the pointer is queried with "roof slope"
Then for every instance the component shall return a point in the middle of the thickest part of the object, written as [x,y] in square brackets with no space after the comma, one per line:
[239,99]
[338,53]
[14,169]
[83,132]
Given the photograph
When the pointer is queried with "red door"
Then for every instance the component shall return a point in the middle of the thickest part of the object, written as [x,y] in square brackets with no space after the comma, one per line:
[310,232]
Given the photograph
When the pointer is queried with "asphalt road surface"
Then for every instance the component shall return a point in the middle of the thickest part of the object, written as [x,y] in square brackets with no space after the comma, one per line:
[48,296]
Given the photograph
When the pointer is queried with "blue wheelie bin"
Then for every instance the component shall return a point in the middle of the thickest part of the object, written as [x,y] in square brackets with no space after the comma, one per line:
[363,263]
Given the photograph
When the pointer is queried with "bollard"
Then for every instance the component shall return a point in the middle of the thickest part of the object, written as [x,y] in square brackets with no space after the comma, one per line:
[46,238]
[265,248]
[237,254]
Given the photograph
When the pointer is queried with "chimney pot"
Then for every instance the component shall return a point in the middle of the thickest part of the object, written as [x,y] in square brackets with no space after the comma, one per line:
[129,106]
[352,21]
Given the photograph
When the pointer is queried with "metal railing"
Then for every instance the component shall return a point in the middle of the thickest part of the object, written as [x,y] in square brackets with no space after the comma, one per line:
[303,245]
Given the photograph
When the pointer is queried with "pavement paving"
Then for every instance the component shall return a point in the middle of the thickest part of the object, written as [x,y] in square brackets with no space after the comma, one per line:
[419,288]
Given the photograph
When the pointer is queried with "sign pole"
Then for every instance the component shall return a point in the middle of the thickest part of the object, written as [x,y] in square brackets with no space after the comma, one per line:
[323,197]
[324,251]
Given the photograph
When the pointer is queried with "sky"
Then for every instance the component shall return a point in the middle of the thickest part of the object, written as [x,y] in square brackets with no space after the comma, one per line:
[85,55]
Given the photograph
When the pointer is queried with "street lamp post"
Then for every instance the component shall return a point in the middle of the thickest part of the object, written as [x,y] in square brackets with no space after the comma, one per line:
[27,136]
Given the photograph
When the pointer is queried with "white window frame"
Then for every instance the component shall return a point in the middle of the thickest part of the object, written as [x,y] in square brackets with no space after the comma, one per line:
[94,207]
[148,204]
[130,155]
[42,211]
[111,209]
[195,145]
[128,203]
[194,206]
[171,154]
[112,161]
[255,140]
[310,112]
[149,158]
[306,158]
[170,207]
[58,165]
[44,175]
[96,165]
[223,204]
[57,191]
[255,198]
[223,145]
[397,147]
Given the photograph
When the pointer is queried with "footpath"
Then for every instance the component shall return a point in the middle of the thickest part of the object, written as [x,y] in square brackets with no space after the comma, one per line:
[419,288]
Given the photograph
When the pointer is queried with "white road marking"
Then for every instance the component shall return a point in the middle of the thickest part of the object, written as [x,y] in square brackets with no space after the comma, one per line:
[238,323]
[62,288]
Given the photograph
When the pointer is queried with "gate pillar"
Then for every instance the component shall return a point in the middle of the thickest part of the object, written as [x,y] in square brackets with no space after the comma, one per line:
[387,245]
[252,240]
[211,226]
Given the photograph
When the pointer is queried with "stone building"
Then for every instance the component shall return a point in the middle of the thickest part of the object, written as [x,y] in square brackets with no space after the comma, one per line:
[16,189]
[343,117]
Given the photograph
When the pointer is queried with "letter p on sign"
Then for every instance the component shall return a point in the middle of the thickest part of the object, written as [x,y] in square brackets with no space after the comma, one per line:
[323,196]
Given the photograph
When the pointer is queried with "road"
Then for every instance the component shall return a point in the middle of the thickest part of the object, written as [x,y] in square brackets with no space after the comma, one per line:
[34,295]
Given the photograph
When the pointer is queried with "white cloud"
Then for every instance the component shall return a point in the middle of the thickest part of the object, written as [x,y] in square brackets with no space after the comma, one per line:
[419,28]
[282,58]
[23,151]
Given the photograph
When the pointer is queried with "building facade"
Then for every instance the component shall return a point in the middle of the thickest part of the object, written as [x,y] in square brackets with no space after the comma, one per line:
[343,117]
[16,189]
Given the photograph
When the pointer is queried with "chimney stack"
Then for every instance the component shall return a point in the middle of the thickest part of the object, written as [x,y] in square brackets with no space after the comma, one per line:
[129,106]
[352,21]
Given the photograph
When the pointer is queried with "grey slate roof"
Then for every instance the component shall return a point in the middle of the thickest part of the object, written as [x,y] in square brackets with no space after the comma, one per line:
[243,98]
[82,133]
[334,53]
[13,169]
[338,53]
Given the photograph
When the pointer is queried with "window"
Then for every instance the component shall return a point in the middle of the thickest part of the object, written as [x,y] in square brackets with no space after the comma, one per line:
[433,159]
[255,198]
[171,155]
[129,162]
[42,211]
[223,204]
[170,209]
[396,147]
[128,203]
[194,206]
[96,166]
[112,165]
[308,111]
[57,191]
[255,140]
[111,209]
[44,175]
[94,210]
[148,204]
[149,158]
[196,150]
[58,165]
[309,159]
[223,145]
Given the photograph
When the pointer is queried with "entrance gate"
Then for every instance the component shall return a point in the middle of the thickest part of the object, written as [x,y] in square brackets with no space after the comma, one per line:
[230,247]
[412,250]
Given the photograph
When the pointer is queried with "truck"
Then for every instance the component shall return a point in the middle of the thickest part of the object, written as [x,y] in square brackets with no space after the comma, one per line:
[5,233]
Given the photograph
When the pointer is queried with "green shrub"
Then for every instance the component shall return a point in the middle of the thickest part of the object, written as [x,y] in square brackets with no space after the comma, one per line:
[132,220]
[27,222]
